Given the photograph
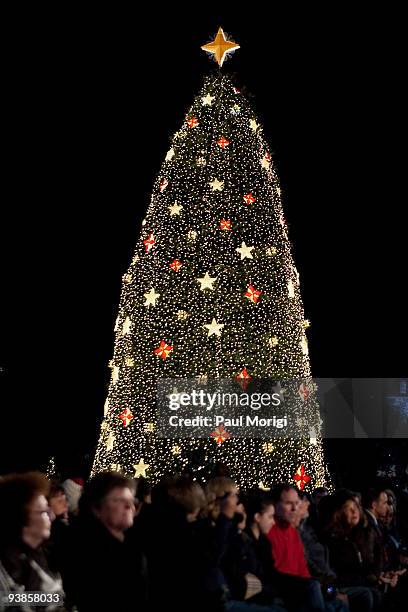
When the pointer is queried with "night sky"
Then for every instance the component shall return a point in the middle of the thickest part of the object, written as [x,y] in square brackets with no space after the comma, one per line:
[91,103]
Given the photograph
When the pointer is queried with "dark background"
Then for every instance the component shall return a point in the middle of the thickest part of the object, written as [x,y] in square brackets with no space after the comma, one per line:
[91,101]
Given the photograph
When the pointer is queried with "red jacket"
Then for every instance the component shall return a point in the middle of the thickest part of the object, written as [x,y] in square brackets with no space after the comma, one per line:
[288,552]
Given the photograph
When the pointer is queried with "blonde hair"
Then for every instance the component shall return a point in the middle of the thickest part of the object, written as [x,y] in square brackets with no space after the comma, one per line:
[216,489]
[187,494]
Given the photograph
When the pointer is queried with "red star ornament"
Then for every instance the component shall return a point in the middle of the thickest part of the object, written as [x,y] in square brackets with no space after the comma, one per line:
[304,391]
[301,477]
[248,198]
[176,265]
[163,350]
[225,224]
[126,416]
[149,242]
[220,435]
[163,185]
[243,378]
[253,294]
[192,122]
[223,142]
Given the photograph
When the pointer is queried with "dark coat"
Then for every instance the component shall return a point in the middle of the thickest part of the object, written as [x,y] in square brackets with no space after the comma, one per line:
[317,554]
[29,568]
[183,560]
[356,559]
[103,573]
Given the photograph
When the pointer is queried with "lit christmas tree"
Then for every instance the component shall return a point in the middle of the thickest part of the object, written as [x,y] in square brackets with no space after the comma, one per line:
[211,293]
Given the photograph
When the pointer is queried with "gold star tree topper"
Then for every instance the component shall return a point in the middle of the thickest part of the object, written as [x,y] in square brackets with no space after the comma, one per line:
[220,47]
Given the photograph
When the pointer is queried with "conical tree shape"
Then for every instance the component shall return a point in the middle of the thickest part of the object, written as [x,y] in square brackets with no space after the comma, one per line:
[215,213]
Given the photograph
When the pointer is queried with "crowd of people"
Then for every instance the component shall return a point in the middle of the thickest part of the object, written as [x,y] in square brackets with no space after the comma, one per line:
[116,544]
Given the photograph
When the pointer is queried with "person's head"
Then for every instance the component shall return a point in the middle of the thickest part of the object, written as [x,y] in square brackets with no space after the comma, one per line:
[144,491]
[73,488]
[345,512]
[57,500]
[221,492]
[303,509]
[188,495]
[388,519]
[286,501]
[24,510]
[392,499]
[110,497]
[318,494]
[350,513]
[376,501]
[260,512]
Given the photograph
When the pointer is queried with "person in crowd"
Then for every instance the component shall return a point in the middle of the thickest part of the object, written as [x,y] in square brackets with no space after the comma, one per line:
[375,504]
[73,488]
[397,550]
[240,569]
[316,497]
[60,527]
[317,556]
[58,502]
[377,507]
[181,552]
[395,554]
[294,582]
[144,491]
[355,552]
[260,512]
[25,526]
[103,569]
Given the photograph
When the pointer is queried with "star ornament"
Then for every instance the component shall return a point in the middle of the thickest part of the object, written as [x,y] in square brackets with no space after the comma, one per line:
[304,391]
[170,154]
[149,242]
[140,468]
[206,281]
[301,477]
[207,100]
[220,47]
[163,350]
[115,374]
[313,437]
[217,185]
[175,265]
[214,328]
[243,378]
[253,294]
[304,346]
[110,442]
[192,122]
[175,209]
[249,198]
[220,434]
[225,224]
[126,416]
[245,251]
[151,297]
[127,327]
[223,142]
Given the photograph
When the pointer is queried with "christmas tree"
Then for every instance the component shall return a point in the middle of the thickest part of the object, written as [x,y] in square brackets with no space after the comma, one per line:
[211,293]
